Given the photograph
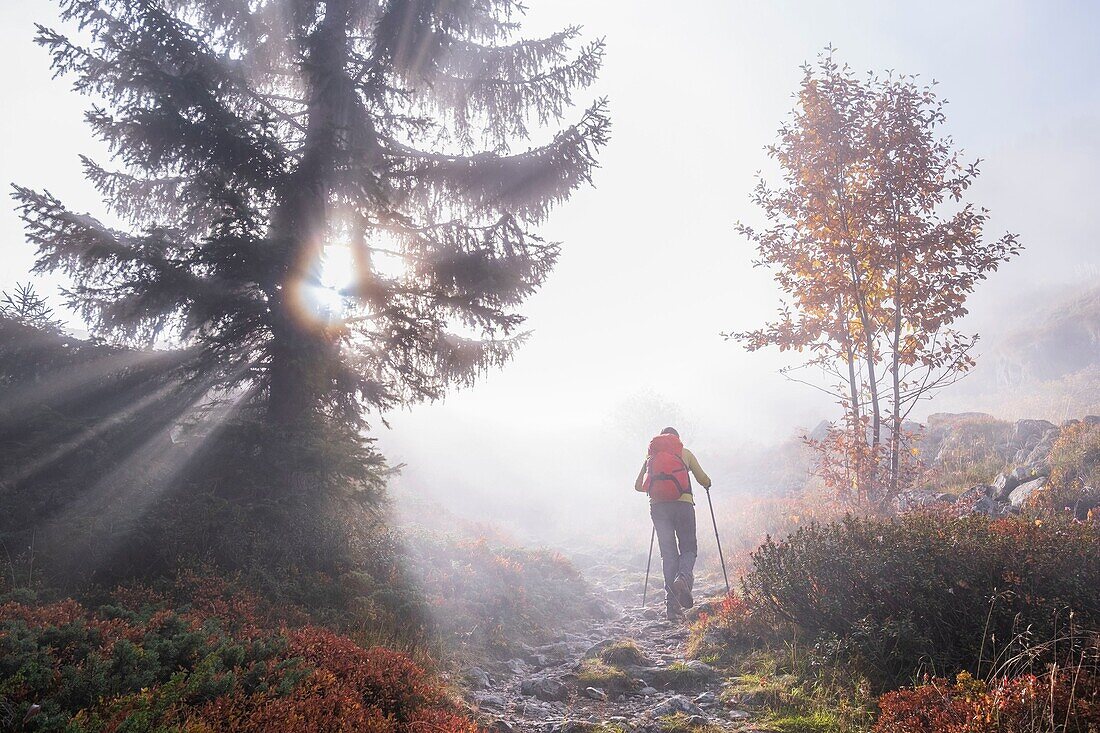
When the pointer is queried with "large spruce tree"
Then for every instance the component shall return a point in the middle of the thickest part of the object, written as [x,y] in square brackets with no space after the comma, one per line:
[249,136]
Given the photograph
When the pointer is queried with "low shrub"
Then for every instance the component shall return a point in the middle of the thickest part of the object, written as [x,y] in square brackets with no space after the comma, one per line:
[624,652]
[1065,701]
[204,656]
[727,630]
[487,598]
[1074,485]
[926,593]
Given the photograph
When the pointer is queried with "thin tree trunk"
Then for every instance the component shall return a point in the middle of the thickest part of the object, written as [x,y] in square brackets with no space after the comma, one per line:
[895,361]
[855,407]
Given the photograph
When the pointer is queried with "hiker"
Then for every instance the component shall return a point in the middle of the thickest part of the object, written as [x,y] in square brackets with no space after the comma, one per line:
[665,478]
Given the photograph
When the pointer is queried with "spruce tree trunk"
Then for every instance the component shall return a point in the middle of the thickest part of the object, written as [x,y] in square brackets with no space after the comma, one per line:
[300,221]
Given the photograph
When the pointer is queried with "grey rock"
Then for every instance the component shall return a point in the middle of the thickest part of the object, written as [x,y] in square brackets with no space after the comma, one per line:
[975,492]
[1003,486]
[647,691]
[1092,420]
[947,498]
[594,694]
[595,649]
[738,714]
[501,726]
[1025,491]
[491,700]
[544,688]
[478,679]
[707,698]
[1030,429]
[697,721]
[1030,472]
[675,704]
[701,668]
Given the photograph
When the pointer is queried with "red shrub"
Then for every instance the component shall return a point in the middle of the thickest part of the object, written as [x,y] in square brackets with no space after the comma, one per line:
[249,672]
[1067,701]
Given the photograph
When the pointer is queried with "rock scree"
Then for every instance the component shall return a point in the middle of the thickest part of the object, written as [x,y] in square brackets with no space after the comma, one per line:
[626,672]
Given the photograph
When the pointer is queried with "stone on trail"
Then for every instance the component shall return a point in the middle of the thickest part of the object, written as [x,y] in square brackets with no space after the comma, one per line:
[544,688]
[490,701]
[647,691]
[595,649]
[478,678]
[676,704]
[501,726]
[595,694]
[707,698]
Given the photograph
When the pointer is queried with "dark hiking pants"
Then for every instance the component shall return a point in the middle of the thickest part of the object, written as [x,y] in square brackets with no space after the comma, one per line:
[675,525]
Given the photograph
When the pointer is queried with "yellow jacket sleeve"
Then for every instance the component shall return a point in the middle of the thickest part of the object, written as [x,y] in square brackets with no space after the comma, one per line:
[696,470]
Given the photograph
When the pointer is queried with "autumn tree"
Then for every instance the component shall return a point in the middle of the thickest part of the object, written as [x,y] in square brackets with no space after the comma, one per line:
[931,259]
[251,138]
[872,271]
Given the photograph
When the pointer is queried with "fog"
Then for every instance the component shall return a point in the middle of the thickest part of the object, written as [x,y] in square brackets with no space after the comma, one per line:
[625,336]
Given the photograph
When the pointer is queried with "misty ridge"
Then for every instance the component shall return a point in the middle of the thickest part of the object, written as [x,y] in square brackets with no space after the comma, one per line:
[451,366]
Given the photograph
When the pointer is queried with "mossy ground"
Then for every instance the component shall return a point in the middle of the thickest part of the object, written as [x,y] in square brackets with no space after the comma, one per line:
[624,653]
[597,673]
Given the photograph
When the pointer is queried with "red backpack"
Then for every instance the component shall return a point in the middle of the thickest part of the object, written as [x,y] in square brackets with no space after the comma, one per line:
[666,474]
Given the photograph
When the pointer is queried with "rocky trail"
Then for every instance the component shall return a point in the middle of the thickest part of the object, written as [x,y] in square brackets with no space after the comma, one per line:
[595,679]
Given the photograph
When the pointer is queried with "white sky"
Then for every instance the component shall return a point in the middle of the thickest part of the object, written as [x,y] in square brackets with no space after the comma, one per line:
[697,90]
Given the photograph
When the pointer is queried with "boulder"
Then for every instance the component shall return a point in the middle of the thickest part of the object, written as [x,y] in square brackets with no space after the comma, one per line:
[1002,486]
[555,653]
[988,506]
[1025,491]
[673,705]
[976,492]
[501,726]
[544,688]
[478,679]
[1030,472]
[594,650]
[490,700]
[1092,419]
[1030,430]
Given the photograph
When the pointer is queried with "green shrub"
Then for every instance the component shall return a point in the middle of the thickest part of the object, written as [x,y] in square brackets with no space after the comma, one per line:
[925,594]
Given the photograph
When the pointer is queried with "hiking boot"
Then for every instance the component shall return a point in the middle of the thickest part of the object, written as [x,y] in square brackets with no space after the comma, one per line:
[683,592]
[673,610]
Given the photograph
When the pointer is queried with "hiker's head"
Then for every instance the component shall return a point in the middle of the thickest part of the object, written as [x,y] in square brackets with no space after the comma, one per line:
[670,431]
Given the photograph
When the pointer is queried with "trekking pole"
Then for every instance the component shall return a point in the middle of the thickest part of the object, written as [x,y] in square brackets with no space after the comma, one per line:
[645,589]
[720,555]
